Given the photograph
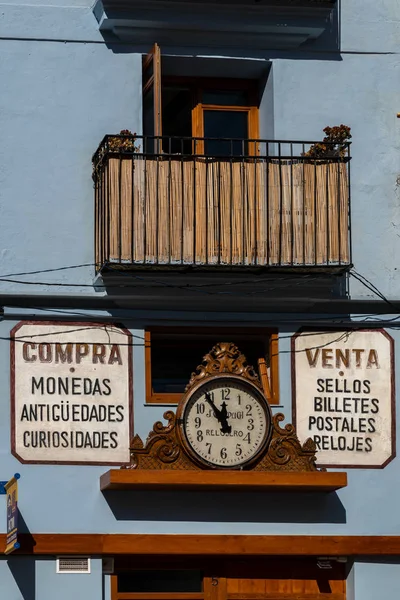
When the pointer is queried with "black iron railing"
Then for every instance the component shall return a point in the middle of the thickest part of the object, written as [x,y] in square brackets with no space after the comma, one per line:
[206,202]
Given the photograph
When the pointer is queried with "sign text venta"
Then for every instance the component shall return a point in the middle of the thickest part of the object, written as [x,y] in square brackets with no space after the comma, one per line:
[344,395]
[71,392]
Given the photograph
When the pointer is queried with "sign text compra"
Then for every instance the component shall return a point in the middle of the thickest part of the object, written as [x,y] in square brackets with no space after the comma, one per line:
[71,393]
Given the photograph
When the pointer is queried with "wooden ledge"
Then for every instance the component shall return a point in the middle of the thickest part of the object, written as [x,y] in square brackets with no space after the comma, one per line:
[132,479]
[205,545]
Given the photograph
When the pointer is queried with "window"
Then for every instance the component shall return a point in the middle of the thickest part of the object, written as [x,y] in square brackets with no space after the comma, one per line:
[151,581]
[172,354]
[182,108]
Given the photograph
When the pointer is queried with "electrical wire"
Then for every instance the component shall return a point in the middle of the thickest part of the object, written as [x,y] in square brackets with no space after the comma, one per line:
[152,282]
[9,278]
[158,282]
[155,283]
[370,286]
[345,335]
[65,268]
[25,339]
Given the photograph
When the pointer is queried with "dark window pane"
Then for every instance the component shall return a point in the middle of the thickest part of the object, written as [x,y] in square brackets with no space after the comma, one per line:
[225,97]
[225,124]
[177,119]
[174,358]
[148,121]
[160,581]
[148,71]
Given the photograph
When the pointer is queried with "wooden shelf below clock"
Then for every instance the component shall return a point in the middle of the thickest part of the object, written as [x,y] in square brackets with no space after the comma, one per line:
[132,479]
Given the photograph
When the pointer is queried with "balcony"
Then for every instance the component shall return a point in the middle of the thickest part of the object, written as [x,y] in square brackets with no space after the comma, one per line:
[220,203]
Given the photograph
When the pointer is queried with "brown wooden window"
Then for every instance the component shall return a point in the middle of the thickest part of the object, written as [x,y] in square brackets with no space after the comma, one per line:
[191,107]
[173,353]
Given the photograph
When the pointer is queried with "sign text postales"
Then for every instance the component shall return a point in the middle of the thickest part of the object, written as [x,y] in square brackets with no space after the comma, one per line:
[343,395]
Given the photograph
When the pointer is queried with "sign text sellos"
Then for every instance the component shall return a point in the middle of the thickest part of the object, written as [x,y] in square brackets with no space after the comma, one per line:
[343,395]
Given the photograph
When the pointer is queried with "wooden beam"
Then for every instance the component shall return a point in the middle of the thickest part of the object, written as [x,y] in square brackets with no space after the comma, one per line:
[206,545]
[309,481]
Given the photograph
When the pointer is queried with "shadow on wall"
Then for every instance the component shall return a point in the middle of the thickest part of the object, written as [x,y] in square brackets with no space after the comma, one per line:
[309,34]
[23,567]
[298,292]
[226,507]
[23,570]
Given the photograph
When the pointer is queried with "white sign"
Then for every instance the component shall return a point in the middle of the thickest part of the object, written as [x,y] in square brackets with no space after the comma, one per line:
[344,396]
[71,389]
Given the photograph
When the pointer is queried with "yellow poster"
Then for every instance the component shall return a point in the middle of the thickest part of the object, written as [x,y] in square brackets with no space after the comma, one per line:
[11,488]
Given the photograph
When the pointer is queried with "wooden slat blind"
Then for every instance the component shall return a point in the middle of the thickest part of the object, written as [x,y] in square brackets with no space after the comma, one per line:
[260,212]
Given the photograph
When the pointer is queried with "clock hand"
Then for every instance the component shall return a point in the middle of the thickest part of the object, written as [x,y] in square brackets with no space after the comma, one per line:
[217,413]
[221,415]
[224,412]
[226,428]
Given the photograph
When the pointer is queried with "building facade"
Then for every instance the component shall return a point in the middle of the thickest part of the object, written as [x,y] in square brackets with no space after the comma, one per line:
[169,188]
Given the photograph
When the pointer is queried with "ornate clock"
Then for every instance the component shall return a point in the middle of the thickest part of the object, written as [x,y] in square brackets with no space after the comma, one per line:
[224,421]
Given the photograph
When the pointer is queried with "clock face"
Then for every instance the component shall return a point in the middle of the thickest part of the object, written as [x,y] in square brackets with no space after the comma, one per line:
[226,422]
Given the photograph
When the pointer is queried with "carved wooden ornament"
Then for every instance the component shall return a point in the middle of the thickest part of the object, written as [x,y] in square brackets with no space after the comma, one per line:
[168,448]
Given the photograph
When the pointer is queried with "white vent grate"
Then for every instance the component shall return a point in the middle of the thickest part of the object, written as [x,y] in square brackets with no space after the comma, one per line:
[73,564]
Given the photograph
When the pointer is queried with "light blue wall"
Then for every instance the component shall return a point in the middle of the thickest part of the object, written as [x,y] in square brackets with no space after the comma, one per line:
[35,578]
[75,504]
[50,584]
[376,580]
[362,92]
[17,577]
[64,88]
[59,98]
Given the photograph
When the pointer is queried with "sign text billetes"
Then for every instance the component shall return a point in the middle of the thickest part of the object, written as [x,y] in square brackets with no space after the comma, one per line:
[71,392]
[343,395]
[11,488]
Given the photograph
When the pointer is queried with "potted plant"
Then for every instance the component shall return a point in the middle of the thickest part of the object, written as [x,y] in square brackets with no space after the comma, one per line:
[334,144]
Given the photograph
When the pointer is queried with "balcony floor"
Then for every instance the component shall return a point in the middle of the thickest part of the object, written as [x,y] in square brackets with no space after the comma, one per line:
[245,290]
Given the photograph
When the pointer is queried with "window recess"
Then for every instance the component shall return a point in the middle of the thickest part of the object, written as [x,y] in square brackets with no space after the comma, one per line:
[210,116]
[173,353]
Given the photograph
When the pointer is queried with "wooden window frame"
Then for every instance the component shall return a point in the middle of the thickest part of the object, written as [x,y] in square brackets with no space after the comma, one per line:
[153,82]
[174,398]
[198,122]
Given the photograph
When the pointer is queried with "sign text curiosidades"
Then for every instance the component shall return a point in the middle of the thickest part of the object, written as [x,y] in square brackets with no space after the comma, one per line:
[76,399]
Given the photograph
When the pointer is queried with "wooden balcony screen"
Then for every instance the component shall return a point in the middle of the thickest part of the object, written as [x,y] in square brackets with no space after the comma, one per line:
[264,212]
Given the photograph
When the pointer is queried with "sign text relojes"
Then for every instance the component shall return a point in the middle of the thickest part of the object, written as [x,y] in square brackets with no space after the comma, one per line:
[343,395]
